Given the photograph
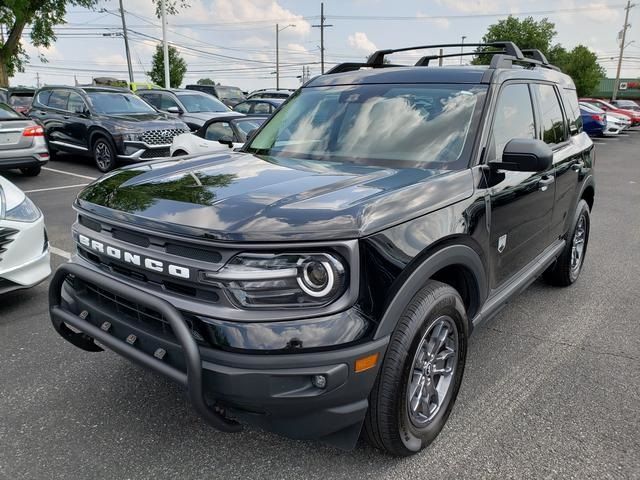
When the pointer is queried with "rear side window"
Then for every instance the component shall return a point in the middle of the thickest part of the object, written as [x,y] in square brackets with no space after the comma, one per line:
[573,111]
[261,108]
[513,118]
[75,104]
[217,130]
[553,131]
[59,99]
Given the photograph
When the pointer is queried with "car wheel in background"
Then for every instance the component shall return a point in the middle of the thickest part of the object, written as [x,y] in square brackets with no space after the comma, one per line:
[31,171]
[104,154]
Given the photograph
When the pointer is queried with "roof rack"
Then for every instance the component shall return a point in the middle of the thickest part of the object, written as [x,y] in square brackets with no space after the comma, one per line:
[504,55]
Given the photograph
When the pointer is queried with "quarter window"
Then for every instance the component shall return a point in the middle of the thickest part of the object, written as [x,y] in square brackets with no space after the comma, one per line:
[261,108]
[513,118]
[573,111]
[553,131]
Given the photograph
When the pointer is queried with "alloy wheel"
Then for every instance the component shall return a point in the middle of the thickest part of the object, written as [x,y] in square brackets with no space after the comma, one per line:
[578,244]
[433,371]
[102,156]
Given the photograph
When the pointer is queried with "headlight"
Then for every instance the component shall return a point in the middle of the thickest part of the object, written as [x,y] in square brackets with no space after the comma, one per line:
[23,212]
[128,134]
[255,280]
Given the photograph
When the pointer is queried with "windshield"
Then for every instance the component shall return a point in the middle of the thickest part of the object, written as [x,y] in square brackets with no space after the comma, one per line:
[427,124]
[229,93]
[7,113]
[113,103]
[196,102]
[247,126]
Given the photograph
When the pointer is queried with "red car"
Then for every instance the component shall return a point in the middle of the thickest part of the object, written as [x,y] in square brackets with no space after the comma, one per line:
[607,107]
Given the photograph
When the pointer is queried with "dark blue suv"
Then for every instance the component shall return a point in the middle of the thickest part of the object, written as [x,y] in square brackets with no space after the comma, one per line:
[325,279]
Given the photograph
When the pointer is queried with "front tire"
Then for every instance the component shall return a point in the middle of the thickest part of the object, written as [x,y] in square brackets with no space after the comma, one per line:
[421,374]
[104,154]
[566,270]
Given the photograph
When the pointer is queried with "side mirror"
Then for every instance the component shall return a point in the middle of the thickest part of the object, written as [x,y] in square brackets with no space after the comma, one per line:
[525,155]
[226,140]
[175,110]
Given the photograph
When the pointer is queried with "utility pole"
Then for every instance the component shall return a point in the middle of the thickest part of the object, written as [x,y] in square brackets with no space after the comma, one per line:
[126,42]
[278,30]
[622,45]
[165,46]
[462,48]
[322,26]
[440,57]
[38,79]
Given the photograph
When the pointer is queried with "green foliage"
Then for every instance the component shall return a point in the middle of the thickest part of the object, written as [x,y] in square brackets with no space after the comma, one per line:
[581,64]
[526,33]
[171,6]
[42,15]
[177,67]
[205,81]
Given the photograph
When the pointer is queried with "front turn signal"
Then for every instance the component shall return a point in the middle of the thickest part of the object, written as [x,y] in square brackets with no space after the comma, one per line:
[365,363]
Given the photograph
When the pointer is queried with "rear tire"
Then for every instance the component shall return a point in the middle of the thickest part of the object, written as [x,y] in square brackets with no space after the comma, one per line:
[31,171]
[413,395]
[104,154]
[566,270]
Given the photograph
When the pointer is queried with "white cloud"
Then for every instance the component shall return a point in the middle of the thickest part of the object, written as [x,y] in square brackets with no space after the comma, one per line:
[260,10]
[360,41]
[441,23]
[470,6]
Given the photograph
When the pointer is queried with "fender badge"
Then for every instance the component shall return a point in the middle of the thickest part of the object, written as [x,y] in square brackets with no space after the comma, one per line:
[502,243]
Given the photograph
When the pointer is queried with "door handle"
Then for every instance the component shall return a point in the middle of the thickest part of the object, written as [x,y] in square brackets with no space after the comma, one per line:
[545,181]
[66,117]
[576,167]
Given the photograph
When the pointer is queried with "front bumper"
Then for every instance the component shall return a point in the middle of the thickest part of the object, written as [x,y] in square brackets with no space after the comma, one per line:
[275,392]
[140,151]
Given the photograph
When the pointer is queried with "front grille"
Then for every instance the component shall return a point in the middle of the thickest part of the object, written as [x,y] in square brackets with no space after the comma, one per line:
[161,137]
[156,153]
[6,235]
[145,318]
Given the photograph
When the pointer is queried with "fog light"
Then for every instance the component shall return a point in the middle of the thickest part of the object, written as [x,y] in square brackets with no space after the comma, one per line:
[319,381]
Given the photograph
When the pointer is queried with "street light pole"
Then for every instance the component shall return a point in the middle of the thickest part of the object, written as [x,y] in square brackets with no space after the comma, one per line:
[462,48]
[278,30]
[165,46]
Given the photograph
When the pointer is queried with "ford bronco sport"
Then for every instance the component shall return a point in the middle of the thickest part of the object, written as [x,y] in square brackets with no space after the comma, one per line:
[324,280]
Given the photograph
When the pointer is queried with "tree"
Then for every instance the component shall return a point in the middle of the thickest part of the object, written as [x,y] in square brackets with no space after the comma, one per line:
[526,33]
[43,16]
[177,67]
[582,65]
[205,81]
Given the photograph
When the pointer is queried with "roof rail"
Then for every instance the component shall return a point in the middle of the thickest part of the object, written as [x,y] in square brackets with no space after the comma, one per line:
[504,55]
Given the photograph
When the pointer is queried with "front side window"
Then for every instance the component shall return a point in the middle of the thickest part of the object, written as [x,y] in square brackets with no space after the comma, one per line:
[553,131]
[116,103]
[425,124]
[217,130]
[152,98]
[513,118]
[59,99]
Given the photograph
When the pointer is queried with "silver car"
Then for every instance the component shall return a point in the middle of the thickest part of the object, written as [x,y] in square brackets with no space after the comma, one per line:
[22,142]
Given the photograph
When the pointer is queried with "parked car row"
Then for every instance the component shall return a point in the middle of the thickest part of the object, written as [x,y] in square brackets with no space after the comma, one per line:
[602,118]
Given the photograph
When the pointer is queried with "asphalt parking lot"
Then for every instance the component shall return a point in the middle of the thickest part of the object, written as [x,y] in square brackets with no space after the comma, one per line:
[551,389]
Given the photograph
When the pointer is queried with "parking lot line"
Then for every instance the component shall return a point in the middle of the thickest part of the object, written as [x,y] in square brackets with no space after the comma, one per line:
[69,173]
[56,188]
[59,252]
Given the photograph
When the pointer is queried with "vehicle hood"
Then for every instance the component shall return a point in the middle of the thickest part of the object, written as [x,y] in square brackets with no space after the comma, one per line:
[238,196]
[145,121]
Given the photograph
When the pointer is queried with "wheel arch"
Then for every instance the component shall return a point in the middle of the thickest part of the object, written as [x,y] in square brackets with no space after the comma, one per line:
[457,264]
[96,132]
[588,193]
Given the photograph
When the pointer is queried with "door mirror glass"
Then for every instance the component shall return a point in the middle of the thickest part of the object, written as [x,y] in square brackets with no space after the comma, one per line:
[175,110]
[525,155]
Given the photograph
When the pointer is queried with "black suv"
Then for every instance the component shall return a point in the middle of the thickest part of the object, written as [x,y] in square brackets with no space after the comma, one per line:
[110,124]
[329,274]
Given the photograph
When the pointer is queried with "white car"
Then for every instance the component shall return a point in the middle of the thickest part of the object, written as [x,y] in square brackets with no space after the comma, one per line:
[24,248]
[216,135]
[616,121]
[282,93]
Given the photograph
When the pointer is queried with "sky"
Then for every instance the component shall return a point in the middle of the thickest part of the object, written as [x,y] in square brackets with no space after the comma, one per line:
[233,41]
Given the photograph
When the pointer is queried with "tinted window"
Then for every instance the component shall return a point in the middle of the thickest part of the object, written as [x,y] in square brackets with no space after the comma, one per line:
[112,103]
[217,130]
[242,107]
[553,130]
[385,123]
[573,111]
[167,101]
[152,98]
[20,100]
[75,104]
[261,108]
[43,97]
[513,118]
[59,99]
